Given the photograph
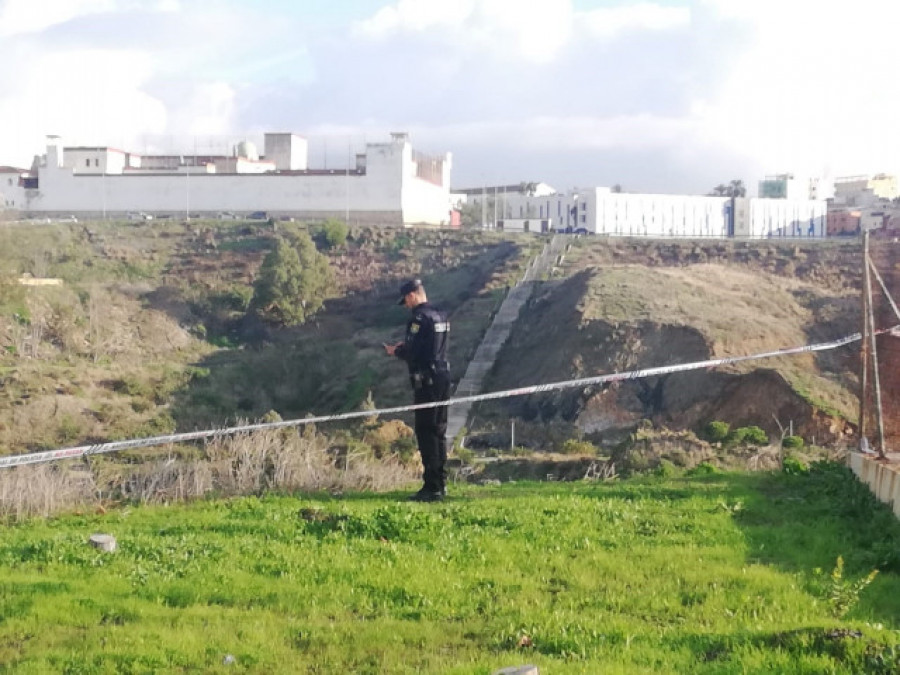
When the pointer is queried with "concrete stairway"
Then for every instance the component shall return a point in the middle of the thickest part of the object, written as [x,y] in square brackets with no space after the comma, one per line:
[498,332]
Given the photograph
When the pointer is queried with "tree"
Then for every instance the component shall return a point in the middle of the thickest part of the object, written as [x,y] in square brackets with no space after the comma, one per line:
[734,189]
[528,189]
[293,282]
[616,189]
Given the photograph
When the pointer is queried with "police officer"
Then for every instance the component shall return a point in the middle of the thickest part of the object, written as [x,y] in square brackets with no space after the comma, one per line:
[425,351]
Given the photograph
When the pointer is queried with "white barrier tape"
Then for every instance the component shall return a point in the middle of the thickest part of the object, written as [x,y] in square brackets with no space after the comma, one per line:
[114,446]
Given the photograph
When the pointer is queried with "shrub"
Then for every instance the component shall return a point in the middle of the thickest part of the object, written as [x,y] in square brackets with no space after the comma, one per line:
[792,442]
[576,447]
[704,469]
[843,594]
[794,467]
[751,435]
[334,233]
[666,469]
[391,436]
[465,455]
[716,431]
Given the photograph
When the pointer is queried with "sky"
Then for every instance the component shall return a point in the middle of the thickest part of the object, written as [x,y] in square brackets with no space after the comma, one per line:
[668,96]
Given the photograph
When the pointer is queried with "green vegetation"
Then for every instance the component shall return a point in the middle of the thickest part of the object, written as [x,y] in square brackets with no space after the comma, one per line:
[751,435]
[106,354]
[332,233]
[705,574]
[795,442]
[293,282]
[717,431]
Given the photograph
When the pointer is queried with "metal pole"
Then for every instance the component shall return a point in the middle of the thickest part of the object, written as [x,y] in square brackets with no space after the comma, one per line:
[495,206]
[875,376]
[512,435]
[483,207]
[864,346]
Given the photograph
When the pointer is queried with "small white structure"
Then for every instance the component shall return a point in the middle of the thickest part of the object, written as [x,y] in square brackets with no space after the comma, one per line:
[12,188]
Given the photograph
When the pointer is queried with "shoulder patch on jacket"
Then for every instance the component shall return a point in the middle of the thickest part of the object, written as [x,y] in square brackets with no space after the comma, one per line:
[413,328]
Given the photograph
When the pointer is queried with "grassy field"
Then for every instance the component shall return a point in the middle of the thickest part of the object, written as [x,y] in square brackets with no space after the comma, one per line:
[702,573]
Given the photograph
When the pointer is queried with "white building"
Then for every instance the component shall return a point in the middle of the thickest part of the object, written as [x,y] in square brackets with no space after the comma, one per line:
[12,189]
[602,211]
[390,184]
[865,191]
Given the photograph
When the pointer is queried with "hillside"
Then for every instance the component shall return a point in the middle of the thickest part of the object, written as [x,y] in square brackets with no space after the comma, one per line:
[619,305]
[147,332]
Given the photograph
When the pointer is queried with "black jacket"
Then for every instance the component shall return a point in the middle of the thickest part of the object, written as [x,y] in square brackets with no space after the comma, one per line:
[427,334]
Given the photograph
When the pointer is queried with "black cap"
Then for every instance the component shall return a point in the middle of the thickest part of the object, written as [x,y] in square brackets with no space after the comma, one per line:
[409,286]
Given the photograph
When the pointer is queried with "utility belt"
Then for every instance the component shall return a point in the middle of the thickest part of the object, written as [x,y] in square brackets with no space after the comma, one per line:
[425,377]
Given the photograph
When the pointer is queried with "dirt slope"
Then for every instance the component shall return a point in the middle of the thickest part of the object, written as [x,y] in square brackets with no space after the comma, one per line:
[625,305]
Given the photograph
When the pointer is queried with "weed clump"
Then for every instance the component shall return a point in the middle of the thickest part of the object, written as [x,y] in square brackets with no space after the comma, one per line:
[716,431]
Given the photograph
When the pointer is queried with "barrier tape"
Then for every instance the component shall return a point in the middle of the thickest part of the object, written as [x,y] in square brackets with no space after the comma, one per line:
[114,446]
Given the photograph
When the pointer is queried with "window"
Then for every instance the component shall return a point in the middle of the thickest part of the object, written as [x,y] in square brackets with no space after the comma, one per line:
[583,218]
[9,181]
[584,206]
[87,162]
[96,162]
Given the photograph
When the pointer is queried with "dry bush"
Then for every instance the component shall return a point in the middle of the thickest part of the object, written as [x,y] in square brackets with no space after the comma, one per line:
[164,481]
[45,490]
[289,460]
[245,463]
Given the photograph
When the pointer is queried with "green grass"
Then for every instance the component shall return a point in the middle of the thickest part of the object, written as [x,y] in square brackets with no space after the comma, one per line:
[708,574]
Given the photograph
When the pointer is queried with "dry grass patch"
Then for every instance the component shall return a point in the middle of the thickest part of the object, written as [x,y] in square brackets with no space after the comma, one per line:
[247,463]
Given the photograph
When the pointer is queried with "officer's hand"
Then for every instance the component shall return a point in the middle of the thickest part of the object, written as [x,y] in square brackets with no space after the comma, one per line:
[390,349]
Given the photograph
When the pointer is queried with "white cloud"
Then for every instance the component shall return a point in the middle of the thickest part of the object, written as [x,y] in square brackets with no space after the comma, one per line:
[211,109]
[537,30]
[589,134]
[534,30]
[26,16]
[416,15]
[611,22]
[814,92]
[106,105]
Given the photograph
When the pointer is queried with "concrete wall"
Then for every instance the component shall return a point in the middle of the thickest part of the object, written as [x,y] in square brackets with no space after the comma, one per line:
[788,218]
[61,191]
[661,215]
[881,477]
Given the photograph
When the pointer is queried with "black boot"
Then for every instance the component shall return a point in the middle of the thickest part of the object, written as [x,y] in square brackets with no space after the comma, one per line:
[429,495]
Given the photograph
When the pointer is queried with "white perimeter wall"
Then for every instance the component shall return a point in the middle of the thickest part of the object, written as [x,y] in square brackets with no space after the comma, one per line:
[788,218]
[389,187]
[60,191]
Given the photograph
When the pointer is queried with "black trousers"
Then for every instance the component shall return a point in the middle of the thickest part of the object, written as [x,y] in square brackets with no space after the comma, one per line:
[431,430]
